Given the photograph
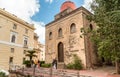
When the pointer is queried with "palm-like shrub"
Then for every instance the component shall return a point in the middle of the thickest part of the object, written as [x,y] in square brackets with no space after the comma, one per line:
[31,54]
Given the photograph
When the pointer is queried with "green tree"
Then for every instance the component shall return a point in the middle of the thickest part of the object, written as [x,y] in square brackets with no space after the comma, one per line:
[2,74]
[107,36]
[31,54]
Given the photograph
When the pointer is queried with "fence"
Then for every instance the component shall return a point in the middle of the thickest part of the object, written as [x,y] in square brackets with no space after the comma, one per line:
[47,72]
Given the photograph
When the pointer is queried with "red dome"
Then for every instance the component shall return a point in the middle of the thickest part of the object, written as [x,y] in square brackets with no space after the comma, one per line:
[67,4]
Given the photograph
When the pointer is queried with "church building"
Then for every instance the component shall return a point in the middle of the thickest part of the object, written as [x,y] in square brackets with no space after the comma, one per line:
[63,36]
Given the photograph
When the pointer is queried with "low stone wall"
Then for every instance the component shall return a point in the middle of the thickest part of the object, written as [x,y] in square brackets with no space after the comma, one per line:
[46,72]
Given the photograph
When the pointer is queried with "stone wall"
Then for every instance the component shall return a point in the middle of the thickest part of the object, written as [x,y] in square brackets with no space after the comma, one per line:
[72,42]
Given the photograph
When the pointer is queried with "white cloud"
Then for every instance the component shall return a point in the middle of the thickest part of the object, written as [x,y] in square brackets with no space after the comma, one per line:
[49,1]
[25,9]
[40,30]
[21,8]
[87,4]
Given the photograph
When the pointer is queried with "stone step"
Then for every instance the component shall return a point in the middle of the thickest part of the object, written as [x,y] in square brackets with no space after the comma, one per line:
[61,65]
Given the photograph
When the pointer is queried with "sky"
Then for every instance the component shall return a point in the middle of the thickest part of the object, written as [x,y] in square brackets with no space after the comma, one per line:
[38,12]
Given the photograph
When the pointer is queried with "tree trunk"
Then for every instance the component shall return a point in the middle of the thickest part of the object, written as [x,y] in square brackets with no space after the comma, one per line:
[117,64]
[30,61]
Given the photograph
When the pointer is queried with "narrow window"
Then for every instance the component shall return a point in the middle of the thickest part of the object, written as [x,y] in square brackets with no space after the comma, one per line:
[50,35]
[13,39]
[24,52]
[26,31]
[91,27]
[14,26]
[60,32]
[25,41]
[11,60]
[12,50]
[72,28]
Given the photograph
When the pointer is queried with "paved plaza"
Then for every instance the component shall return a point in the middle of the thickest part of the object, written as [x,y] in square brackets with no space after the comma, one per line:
[46,72]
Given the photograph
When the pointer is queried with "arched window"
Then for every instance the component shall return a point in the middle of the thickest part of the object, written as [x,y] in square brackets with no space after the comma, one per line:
[91,27]
[14,26]
[13,39]
[60,32]
[72,28]
[50,35]
[25,41]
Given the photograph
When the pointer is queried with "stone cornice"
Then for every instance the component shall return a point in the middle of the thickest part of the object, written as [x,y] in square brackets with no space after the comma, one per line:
[76,10]
[13,44]
[15,18]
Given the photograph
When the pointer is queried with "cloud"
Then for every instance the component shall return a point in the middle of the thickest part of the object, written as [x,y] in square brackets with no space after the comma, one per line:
[40,30]
[21,8]
[25,9]
[87,4]
[49,1]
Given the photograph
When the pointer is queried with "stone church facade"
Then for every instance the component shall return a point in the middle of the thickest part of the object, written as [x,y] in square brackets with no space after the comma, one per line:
[63,36]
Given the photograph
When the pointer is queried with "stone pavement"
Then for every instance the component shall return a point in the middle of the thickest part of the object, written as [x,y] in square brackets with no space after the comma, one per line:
[99,72]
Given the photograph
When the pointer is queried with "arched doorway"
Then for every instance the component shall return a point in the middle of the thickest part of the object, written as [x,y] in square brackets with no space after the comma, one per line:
[60,52]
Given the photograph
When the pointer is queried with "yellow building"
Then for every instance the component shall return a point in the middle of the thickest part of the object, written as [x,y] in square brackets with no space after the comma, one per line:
[36,46]
[16,36]
[42,53]
[39,48]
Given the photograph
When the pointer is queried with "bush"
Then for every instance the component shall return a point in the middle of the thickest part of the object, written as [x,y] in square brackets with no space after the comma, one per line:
[42,62]
[46,65]
[76,64]
[70,66]
[2,74]
[27,63]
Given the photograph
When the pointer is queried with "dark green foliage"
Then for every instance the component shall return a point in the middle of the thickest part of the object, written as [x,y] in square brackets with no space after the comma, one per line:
[27,63]
[70,66]
[107,35]
[42,62]
[77,65]
[46,65]
[2,74]
[31,54]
